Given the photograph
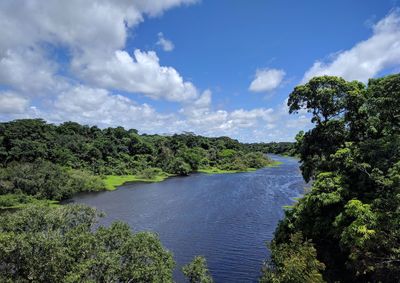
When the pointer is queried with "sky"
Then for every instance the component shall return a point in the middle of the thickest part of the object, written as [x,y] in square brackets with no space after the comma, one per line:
[212,67]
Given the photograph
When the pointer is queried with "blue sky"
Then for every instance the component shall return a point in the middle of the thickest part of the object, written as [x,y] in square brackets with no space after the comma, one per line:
[210,67]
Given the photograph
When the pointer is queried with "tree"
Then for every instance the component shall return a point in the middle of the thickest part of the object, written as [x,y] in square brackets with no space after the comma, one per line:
[351,212]
[179,167]
[42,244]
[293,262]
[324,97]
[197,271]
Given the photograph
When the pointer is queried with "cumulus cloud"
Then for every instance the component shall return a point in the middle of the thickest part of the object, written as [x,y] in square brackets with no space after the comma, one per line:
[141,73]
[12,103]
[266,80]
[200,116]
[99,106]
[28,71]
[166,44]
[367,58]
[96,106]
[92,33]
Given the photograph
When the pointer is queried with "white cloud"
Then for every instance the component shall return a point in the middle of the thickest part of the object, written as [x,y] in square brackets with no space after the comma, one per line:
[92,33]
[28,71]
[166,44]
[97,106]
[155,8]
[367,58]
[198,116]
[141,73]
[100,107]
[266,80]
[12,103]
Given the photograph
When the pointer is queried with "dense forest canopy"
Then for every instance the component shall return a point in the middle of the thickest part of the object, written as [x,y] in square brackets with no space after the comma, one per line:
[120,151]
[47,161]
[347,227]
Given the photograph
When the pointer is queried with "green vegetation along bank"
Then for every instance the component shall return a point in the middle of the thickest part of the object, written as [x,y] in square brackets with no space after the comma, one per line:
[347,227]
[45,163]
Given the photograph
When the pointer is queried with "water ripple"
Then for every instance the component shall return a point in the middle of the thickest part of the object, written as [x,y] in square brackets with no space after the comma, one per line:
[228,218]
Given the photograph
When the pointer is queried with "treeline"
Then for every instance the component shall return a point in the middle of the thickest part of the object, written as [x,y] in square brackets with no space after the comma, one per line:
[47,161]
[282,148]
[119,151]
[347,227]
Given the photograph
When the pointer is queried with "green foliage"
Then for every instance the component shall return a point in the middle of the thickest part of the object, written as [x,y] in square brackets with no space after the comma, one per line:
[227,153]
[149,173]
[53,162]
[357,221]
[353,157]
[324,97]
[293,262]
[116,151]
[179,167]
[197,271]
[60,245]
[283,148]
[20,200]
[45,180]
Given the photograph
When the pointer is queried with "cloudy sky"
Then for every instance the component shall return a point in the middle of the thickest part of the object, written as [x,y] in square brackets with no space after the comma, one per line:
[210,67]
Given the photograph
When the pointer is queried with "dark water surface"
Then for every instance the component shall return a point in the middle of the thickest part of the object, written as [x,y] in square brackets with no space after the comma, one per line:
[225,217]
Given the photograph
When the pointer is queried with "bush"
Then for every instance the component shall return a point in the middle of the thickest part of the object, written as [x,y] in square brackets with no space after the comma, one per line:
[45,180]
[179,167]
[150,173]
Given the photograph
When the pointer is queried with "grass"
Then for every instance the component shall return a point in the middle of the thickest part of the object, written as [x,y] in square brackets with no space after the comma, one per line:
[274,163]
[215,170]
[114,181]
[14,201]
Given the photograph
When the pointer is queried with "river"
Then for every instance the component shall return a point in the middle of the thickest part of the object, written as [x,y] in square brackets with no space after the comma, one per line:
[228,218]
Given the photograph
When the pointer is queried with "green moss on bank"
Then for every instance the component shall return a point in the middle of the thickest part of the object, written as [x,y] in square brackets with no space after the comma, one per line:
[113,181]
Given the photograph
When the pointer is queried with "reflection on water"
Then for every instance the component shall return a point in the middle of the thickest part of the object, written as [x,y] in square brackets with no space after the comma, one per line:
[227,217]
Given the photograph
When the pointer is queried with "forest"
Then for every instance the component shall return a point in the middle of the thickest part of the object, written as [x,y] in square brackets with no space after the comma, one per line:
[42,162]
[345,228]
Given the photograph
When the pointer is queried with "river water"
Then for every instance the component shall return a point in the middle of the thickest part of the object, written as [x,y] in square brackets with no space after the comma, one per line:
[228,218]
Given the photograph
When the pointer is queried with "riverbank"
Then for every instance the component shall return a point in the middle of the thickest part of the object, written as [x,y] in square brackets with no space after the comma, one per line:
[111,183]
[114,181]
[215,170]
[18,201]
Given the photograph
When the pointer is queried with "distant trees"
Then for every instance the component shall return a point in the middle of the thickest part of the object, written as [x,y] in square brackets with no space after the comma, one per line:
[283,148]
[116,151]
[351,214]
